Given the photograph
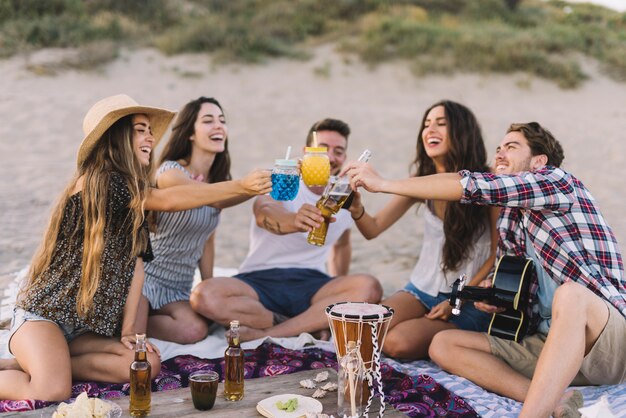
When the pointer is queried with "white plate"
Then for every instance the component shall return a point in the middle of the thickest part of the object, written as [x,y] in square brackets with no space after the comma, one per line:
[267,407]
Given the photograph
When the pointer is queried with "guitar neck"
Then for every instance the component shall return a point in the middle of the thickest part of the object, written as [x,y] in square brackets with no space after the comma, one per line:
[479,294]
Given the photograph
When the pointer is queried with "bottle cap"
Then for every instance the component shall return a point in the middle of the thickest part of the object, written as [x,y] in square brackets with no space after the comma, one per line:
[315,149]
[234,323]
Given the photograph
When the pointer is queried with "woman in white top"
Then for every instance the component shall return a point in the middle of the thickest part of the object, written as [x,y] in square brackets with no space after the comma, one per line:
[457,238]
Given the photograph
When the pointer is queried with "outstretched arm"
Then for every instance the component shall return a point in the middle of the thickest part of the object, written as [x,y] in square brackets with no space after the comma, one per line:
[444,186]
[255,177]
[196,194]
[373,225]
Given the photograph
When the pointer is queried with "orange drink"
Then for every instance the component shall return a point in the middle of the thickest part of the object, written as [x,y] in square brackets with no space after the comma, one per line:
[315,166]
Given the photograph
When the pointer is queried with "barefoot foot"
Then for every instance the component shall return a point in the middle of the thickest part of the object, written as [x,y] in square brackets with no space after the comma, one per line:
[323,335]
[568,405]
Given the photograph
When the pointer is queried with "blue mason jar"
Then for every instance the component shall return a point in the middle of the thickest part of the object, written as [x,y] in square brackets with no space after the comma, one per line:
[285,180]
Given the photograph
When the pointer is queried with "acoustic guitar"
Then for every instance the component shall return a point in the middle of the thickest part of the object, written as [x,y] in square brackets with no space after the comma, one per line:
[509,290]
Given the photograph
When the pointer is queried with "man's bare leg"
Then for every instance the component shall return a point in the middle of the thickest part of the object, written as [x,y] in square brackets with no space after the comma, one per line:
[578,319]
[574,325]
[358,288]
[222,299]
[468,354]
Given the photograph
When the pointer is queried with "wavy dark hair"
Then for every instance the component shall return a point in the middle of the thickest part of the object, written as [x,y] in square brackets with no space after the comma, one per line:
[462,224]
[179,146]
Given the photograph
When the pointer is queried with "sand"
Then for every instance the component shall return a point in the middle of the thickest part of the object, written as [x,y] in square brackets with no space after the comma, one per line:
[272,106]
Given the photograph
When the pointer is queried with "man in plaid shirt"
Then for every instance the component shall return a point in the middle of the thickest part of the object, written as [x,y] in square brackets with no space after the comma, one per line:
[578,296]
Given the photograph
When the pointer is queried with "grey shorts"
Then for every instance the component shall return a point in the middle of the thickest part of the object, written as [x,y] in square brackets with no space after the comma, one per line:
[605,364]
[20,316]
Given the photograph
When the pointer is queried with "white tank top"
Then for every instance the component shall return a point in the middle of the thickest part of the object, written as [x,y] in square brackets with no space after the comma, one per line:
[268,250]
[427,274]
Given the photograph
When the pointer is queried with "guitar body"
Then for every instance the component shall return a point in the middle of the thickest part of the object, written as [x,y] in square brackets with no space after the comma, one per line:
[509,290]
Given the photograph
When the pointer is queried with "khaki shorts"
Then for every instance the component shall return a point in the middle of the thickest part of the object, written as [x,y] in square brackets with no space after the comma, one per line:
[605,364]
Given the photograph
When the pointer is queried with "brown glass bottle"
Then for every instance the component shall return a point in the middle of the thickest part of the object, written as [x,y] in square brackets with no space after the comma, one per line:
[233,365]
[140,384]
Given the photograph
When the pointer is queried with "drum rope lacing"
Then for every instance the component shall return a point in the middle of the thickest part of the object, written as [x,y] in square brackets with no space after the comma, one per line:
[375,371]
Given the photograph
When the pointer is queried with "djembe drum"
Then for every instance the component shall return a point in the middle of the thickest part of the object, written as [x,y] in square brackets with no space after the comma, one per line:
[365,324]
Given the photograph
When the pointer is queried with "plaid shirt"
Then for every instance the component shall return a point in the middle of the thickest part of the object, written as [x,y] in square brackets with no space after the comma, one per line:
[566,228]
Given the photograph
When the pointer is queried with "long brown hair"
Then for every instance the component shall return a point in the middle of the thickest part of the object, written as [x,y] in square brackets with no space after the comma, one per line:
[462,224]
[113,153]
[179,145]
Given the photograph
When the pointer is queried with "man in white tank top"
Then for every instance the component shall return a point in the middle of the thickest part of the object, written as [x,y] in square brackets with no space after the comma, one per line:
[285,283]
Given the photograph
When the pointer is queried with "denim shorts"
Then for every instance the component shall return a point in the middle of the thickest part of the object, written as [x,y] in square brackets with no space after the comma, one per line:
[470,319]
[285,291]
[20,316]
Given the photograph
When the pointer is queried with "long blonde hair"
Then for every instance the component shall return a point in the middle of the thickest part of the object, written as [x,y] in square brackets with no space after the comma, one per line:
[113,153]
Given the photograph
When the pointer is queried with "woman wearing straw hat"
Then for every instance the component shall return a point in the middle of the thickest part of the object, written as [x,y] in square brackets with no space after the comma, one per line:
[75,317]
[183,241]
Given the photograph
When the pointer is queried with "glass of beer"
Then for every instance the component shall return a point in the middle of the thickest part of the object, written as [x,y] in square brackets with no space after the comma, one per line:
[203,385]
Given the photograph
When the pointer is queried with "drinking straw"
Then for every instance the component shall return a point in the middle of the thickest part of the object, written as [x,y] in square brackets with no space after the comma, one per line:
[288,152]
[315,138]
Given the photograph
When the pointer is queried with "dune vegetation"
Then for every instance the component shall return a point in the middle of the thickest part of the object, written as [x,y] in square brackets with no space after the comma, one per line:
[545,39]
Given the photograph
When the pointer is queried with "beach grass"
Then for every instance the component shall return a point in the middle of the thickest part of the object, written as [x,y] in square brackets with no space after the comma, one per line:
[546,39]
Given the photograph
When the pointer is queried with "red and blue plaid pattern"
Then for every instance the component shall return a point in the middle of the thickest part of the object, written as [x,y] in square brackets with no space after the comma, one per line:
[564,224]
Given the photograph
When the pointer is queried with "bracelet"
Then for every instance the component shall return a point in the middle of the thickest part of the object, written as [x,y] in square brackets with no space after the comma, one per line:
[360,216]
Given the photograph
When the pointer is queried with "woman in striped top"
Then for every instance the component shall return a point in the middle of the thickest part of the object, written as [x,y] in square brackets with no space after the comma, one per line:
[196,152]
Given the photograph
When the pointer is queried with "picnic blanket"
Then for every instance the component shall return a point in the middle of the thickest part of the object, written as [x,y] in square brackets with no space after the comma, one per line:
[485,403]
[416,396]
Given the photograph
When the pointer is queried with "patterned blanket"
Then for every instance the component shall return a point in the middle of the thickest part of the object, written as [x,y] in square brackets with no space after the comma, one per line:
[416,396]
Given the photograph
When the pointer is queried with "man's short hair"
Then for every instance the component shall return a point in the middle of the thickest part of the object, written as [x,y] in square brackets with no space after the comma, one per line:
[540,141]
[328,124]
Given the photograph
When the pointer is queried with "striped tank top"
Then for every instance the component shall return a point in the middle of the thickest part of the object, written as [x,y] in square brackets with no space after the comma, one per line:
[177,245]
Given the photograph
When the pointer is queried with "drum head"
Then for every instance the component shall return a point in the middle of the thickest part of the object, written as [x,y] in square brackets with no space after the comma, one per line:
[359,310]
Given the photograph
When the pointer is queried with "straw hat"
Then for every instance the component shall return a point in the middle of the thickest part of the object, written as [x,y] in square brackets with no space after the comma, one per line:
[106,112]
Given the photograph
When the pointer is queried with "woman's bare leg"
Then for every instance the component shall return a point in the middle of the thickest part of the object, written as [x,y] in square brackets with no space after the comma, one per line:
[179,323]
[405,307]
[410,334]
[103,359]
[42,353]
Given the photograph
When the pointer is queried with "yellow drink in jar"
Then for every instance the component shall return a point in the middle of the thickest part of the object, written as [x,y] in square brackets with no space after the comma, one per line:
[315,166]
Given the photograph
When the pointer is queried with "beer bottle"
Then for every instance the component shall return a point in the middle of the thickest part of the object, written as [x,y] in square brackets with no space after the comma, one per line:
[233,365]
[336,194]
[140,384]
